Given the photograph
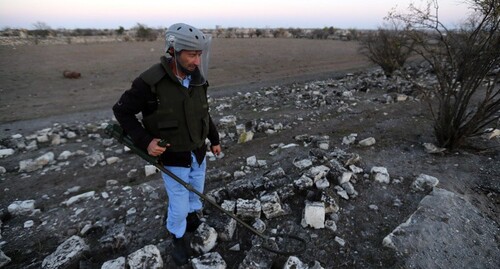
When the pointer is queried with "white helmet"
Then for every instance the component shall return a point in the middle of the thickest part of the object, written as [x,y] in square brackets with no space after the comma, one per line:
[181,36]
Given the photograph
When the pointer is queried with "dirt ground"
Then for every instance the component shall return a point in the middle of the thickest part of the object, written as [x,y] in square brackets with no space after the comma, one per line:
[32,75]
[34,95]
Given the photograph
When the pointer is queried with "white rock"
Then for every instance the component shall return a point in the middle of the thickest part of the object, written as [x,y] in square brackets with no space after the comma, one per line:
[32,146]
[104,195]
[349,188]
[331,205]
[32,165]
[228,229]
[29,224]
[295,263]
[148,255]
[342,193]
[42,138]
[112,160]
[228,205]
[131,173]
[291,145]
[248,208]
[252,161]
[271,205]
[331,225]
[107,142]
[28,166]
[260,163]
[149,170]
[303,164]
[228,120]
[86,228]
[316,265]
[495,133]
[348,140]
[2,170]
[212,260]
[322,183]
[26,207]
[304,182]
[259,225]
[424,182]
[118,263]
[345,177]
[66,254]
[355,169]
[340,241]
[324,145]
[93,159]
[205,238]
[56,140]
[380,174]
[16,136]
[71,135]
[314,214]
[74,189]
[6,152]
[401,97]
[80,197]
[318,172]
[64,155]
[245,137]
[367,142]
[238,174]
[431,148]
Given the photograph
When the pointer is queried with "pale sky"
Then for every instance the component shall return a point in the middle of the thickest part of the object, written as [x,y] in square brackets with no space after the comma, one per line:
[100,14]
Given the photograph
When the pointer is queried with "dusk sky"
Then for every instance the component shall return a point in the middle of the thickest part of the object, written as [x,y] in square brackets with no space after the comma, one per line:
[359,14]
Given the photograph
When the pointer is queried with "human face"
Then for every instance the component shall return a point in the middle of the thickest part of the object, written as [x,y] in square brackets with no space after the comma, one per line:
[190,59]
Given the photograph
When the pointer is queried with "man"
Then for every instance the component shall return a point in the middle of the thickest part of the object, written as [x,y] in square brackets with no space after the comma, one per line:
[172,97]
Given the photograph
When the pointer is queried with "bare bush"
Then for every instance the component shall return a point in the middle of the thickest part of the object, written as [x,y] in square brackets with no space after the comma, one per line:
[40,31]
[144,33]
[389,47]
[463,60]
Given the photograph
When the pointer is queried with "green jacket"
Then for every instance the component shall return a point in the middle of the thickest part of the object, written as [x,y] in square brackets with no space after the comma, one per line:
[182,117]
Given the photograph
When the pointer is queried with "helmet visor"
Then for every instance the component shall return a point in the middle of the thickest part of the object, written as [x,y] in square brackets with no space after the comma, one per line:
[205,56]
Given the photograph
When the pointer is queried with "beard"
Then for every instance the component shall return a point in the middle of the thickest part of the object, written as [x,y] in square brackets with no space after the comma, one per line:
[185,70]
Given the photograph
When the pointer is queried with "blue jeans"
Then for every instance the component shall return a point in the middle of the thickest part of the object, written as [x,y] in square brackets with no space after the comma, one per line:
[180,200]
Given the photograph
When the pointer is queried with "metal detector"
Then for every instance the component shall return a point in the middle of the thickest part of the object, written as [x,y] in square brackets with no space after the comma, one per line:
[283,244]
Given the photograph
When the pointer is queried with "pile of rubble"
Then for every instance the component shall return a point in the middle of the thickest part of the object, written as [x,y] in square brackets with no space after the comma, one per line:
[297,188]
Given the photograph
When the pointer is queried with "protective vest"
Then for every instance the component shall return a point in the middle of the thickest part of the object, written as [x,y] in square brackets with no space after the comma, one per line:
[181,117]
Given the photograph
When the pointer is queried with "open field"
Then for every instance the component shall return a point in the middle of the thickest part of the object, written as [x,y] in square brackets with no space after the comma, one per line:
[33,85]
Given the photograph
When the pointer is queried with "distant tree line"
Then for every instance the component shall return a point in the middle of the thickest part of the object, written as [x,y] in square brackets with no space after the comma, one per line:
[141,32]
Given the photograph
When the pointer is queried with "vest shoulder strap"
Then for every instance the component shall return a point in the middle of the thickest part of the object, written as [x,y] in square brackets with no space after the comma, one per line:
[153,75]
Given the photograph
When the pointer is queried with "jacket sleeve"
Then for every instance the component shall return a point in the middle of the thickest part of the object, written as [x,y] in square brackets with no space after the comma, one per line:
[213,135]
[138,99]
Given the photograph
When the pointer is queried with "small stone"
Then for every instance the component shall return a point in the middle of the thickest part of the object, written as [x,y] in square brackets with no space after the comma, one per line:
[29,224]
[340,241]
[6,152]
[150,170]
[370,141]
[380,174]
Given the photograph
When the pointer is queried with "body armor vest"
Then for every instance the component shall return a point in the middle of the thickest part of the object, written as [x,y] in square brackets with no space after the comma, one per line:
[181,117]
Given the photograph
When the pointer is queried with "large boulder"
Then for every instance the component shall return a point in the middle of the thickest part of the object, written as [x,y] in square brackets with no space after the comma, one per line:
[446,231]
